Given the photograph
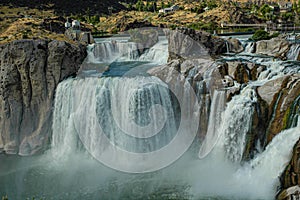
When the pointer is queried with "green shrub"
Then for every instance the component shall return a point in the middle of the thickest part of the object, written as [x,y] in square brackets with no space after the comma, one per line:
[115,31]
[263,35]
[260,35]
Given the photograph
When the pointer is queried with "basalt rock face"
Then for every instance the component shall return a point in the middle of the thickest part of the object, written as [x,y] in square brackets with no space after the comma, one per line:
[234,46]
[189,44]
[284,93]
[277,47]
[30,72]
[291,175]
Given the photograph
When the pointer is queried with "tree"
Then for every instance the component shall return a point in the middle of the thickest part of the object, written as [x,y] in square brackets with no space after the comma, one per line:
[162,5]
[139,5]
[154,6]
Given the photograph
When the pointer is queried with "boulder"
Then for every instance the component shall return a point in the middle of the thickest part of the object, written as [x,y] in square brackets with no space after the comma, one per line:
[244,71]
[239,72]
[30,72]
[234,45]
[276,47]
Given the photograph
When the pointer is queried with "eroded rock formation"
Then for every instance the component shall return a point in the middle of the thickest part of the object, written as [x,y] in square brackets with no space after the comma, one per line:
[30,72]
[276,47]
[188,44]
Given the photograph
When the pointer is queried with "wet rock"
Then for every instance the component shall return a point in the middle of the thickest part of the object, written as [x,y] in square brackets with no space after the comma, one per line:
[30,70]
[239,72]
[243,72]
[291,184]
[280,94]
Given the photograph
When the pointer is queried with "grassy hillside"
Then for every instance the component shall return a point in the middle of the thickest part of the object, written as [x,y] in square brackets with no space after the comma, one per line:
[67,7]
[45,18]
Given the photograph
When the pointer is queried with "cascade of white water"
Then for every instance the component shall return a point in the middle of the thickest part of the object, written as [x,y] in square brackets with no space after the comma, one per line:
[105,51]
[249,47]
[217,107]
[294,51]
[236,123]
[227,46]
[157,54]
[264,171]
[120,106]
[64,139]
[90,54]
[125,118]
[108,51]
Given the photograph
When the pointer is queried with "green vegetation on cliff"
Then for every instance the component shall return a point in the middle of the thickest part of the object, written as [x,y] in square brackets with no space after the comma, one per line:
[263,35]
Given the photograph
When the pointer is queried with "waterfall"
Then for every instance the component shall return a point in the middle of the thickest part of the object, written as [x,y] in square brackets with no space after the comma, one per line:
[249,47]
[109,51]
[119,50]
[81,103]
[158,53]
[217,107]
[90,54]
[138,115]
[294,51]
[294,116]
[280,148]
[236,123]
[227,46]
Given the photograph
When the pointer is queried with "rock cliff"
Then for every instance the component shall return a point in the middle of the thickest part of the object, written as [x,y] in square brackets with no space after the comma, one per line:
[30,72]
[188,44]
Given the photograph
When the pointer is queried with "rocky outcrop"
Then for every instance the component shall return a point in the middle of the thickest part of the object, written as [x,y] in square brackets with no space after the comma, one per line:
[190,44]
[234,46]
[145,38]
[197,72]
[291,175]
[30,72]
[285,92]
[290,193]
[276,47]
[83,37]
[125,26]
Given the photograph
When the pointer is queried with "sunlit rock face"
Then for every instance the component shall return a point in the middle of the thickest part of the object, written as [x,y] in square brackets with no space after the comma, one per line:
[187,43]
[30,72]
[277,47]
[234,46]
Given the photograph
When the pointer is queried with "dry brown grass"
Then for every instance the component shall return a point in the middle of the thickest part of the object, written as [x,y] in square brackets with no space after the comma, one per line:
[24,23]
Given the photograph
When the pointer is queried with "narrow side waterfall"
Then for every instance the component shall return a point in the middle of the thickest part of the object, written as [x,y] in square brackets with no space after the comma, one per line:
[236,123]
[227,47]
[157,54]
[294,51]
[213,132]
[262,173]
[249,48]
